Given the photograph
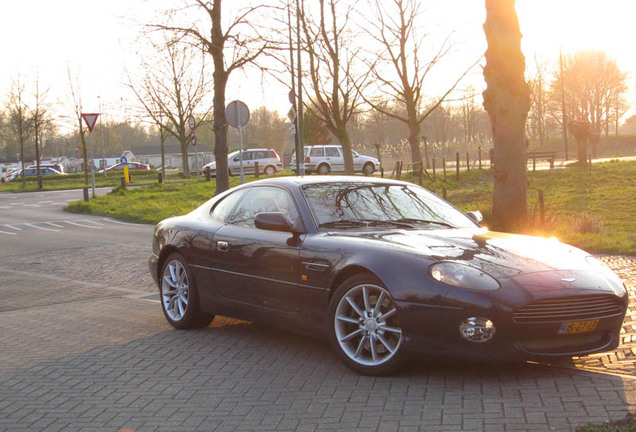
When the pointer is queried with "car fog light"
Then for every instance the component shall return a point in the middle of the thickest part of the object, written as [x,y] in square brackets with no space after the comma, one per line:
[477,329]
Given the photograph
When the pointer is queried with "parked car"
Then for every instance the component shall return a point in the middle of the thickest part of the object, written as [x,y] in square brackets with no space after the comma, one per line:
[382,268]
[132,166]
[10,174]
[29,172]
[55,166]
[268,162]
[324,159]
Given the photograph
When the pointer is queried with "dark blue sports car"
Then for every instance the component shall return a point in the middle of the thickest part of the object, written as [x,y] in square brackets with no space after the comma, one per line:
[382,268]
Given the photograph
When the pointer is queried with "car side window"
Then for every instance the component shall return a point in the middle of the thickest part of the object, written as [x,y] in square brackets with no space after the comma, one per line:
[263,199]
[317,151]
[332,152]
[223,208]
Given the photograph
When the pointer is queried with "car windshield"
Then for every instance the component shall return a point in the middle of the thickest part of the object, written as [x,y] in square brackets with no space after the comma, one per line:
[359,205]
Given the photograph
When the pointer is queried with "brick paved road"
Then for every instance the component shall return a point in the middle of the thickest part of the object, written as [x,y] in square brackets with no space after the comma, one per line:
[99,357]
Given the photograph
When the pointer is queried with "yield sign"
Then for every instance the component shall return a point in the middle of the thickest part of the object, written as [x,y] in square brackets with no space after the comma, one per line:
[90,120]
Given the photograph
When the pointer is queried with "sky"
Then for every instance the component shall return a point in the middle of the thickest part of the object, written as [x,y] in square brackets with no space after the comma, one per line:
[96,41]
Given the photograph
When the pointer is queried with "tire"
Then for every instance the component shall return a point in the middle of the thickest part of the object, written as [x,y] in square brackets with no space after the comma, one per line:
[179,295]
[364,338]
[323,169]
[269,170]
[368,169]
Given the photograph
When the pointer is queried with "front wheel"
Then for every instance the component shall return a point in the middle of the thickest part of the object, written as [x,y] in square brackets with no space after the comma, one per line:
[365,328]
[179,296]
[368,169]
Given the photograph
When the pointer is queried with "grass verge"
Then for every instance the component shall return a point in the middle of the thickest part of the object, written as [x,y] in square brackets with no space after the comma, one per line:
[595,210]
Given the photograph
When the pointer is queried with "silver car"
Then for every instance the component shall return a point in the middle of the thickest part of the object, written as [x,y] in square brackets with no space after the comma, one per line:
[268,162]
[324,159]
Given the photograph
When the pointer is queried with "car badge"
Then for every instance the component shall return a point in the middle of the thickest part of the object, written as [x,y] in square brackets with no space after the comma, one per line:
[568,279]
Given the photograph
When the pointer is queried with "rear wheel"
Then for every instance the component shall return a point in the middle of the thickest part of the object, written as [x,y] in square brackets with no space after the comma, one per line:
[365,328]
[179,295]
[269,170]
[323,169]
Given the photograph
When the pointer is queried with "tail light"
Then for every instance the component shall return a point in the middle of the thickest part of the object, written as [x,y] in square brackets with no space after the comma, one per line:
[307,159]
[276,155]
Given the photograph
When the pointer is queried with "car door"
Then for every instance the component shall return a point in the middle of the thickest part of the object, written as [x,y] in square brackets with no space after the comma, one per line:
[334,157]
[258,267]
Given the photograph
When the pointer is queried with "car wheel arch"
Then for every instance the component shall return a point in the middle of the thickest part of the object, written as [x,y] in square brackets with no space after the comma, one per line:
[165,253]
[346,273]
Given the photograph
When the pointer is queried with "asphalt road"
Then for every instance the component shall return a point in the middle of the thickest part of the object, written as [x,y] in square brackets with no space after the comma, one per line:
[84,347]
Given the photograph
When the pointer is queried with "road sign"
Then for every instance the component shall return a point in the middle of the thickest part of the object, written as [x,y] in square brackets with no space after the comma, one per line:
[191,122]
[237,114]
[291,114]
[193,138]
[123,160]
[292,97]
[91,120]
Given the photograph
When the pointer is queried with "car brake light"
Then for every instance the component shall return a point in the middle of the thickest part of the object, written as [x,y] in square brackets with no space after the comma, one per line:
[307,159]
[276,155]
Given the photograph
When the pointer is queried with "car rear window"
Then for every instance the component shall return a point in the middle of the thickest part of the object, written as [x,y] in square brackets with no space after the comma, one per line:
[317,151]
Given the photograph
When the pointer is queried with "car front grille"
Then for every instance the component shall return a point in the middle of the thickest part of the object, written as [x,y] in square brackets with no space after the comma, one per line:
[568,309]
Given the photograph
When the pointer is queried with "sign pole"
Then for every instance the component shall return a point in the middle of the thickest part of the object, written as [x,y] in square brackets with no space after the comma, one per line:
[90,144]
[90,120]
[240,130]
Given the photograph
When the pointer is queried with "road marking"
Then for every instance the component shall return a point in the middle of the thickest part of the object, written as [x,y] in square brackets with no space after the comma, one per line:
[7,233]
[54,224]
[5,207]
[45,202]
[93,222]
[83,226]
[32,205]
[118,222]
[38,227]
[12,227]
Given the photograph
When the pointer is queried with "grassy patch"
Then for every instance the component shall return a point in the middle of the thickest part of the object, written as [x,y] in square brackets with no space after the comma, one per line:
[628,424]
[595,210]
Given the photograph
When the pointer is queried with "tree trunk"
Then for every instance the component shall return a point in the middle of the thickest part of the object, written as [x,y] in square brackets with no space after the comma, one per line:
[345,142]
[414,142]
[220,80]
[507,101]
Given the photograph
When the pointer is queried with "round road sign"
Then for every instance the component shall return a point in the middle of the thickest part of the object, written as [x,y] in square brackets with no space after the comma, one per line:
[237,114]
[191,122]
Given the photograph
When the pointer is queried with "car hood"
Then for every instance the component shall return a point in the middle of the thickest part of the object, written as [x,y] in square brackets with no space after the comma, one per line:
[498,254]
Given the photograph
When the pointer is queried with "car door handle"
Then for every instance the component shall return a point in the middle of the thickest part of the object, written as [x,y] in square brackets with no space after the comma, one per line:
[222,246]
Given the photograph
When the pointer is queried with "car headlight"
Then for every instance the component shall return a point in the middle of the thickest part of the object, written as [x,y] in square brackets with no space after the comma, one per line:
[463,276]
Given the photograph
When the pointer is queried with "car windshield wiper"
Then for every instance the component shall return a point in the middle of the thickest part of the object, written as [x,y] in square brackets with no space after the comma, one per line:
[397,223]
[344,223]
[424,221]
[355,223]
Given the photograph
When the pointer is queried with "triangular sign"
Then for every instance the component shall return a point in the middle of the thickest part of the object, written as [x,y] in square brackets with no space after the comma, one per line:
[90,120]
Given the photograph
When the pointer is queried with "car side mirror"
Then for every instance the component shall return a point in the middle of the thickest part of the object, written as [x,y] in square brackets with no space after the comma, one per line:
[273,221]
[476,216]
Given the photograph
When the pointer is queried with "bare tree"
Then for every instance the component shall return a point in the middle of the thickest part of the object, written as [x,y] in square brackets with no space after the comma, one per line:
[507,100]
[19,119]
[594,89]
[174,87]
[333,88]
[41,120]
[539,102]
[242,39]
[76,103]
[399,69]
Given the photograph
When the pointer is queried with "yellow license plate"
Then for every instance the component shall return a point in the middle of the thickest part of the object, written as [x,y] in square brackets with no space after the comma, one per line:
[579,327]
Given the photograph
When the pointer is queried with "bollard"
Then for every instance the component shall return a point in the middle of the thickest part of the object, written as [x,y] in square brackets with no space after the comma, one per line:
[457,166]
[207,174]
[541,208]
[123,182]
[444,167]
[85,194]
[433,169]
[479,153]
[256,169]
[160,174]
[382,172]
[467,162]
[444,192]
